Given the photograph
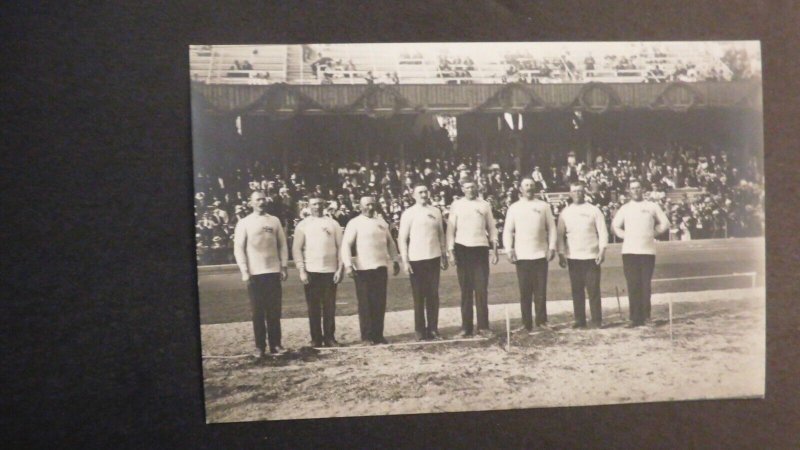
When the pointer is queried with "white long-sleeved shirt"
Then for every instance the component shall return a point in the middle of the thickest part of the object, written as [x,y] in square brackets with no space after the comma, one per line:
[259,245]
[471,224]
[638,224]
[374,244]
[582,231]
[530,229]
[316,244]
[421,233]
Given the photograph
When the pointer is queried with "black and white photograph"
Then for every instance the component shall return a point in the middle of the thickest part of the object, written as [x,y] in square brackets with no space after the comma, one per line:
[416,228]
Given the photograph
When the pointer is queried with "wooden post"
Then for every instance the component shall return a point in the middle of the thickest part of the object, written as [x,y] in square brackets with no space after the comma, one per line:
[670,321]
[508,329]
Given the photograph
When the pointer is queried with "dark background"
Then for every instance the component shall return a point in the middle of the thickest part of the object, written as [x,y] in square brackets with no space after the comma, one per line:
[100,316]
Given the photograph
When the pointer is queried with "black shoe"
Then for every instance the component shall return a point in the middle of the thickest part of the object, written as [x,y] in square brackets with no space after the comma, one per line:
[331,343]
[579,326]
[381,341]
[465,335]
[595,326]
[260,353]
[486,333]
[634,325]
[435,336]
[420,336]
[316,344]
[545,326]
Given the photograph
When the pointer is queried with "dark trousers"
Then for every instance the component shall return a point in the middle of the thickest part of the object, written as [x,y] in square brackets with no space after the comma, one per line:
[371,295]
[638,276]
[584,276]
[265,307]
[532,278]
[472,265]
[425,289]
[321,300]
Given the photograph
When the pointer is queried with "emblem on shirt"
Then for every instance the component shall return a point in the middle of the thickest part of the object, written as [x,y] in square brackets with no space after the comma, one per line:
[536,210]
[268,229]
[432,216]
[326,230]
[380,225]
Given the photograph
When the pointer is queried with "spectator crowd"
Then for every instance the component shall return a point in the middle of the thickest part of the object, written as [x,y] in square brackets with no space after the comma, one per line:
[704,194]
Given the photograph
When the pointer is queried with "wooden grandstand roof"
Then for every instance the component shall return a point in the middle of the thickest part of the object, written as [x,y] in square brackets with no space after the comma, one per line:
[281,99]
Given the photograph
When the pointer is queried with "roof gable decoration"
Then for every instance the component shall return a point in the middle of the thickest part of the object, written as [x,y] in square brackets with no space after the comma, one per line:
[597,98]
[678,96]
[513,97]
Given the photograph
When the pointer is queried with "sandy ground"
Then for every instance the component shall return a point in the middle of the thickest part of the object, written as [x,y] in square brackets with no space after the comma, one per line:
[718,352]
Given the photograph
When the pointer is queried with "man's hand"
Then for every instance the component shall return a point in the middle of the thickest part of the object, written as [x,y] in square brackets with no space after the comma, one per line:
[600,257]
[409,270]
[551,254]
[395,268]
[495,256]
[337,276]
[452,257]
[284,273]
[245,277]
[512,256]
[562,261]
[303,276]
[444,264]
[350,271]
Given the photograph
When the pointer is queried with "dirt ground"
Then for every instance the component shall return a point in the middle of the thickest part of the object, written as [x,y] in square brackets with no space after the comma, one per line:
[718,351]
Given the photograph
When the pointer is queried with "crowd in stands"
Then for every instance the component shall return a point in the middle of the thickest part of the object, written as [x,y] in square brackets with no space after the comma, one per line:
[525,68]
[455,67]
[727,200]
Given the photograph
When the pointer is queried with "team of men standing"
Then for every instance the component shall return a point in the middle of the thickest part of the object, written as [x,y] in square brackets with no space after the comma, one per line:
[531,237]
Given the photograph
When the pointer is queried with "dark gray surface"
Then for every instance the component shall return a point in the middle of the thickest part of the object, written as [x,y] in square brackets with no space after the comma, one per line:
[101,344]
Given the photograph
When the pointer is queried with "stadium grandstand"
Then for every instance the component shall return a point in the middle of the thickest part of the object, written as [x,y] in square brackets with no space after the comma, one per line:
[340,121]
[479,63]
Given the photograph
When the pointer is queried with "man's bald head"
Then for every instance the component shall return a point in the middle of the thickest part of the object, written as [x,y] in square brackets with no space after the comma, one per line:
[367,205]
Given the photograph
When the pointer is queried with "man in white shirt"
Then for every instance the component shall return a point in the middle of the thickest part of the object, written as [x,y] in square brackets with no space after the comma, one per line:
[317,240]
[638,222]
[262,254]
[529,237]
[374,245]
[470,232]
[582,241]
[423,250]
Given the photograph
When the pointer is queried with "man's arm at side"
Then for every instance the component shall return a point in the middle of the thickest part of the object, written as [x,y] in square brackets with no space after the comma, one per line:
[402,236]
[561,244]
[297,248]
[442,237]
[662,222]
[618,224]
[602,230]
[348,240]
[508,231]
[552,229]
[283,249]
[337,238]
[239,249]
[491,227]
[452,220]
